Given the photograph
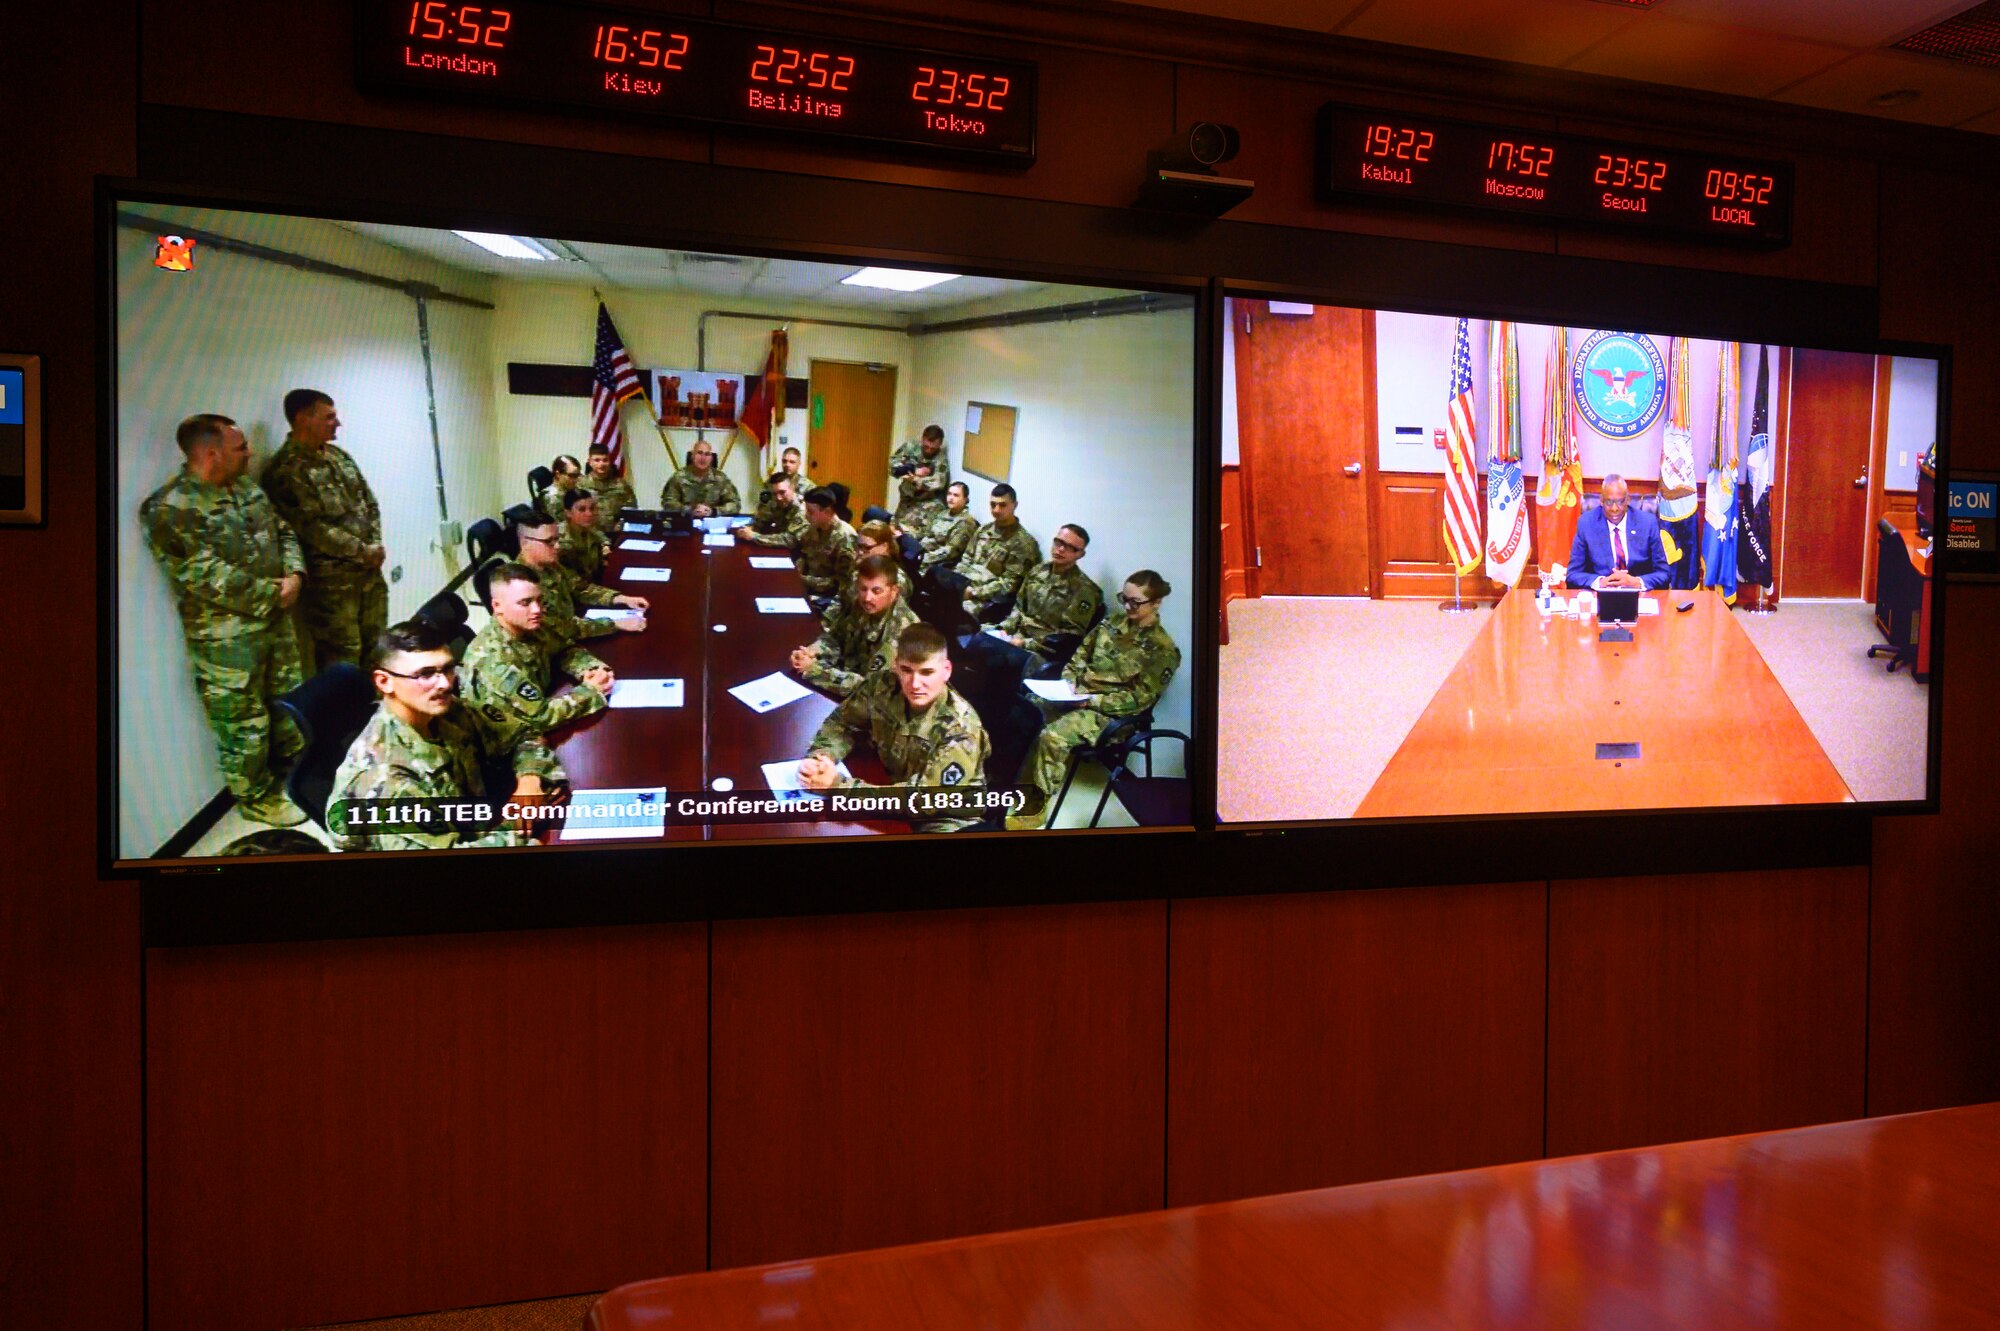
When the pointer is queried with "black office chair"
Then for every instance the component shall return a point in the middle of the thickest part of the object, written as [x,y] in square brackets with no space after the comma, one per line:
[539,480]
[447,611]
[1899,597]
[330,709]
[840,494]
[1152,801]
[1058,648]
[489,539]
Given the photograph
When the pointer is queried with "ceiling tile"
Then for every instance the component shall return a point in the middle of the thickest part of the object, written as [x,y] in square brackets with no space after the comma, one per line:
[1659,49]
[1950,93]
[1534,32]
[1848,22]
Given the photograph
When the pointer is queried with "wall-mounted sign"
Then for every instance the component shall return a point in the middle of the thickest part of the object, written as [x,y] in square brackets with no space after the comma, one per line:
[1965,532]
[20,440]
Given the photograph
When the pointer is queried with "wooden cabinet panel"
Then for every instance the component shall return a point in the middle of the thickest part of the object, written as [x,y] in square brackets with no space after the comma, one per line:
[886,1079]
[347,1130]
[1698,1005]
[1329,1038]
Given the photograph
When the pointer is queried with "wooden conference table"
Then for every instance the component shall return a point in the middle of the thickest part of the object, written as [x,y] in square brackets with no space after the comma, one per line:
[1515,727]
[713,735]
[1885,1222]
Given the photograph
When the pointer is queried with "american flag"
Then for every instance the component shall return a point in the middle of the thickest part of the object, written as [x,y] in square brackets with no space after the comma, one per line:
[612,380]
[1461,480]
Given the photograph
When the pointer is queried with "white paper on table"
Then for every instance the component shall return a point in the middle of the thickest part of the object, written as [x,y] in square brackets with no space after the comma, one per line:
[995,631]
[605,815]
[637,526]
[783,778]
[1649,605]
[735,520]
[1055,690]
[631,544]
[611,613]
[769,561]
[973,415]
[646,575]
[649,693]
[718,538]
[770,693]
[783,605]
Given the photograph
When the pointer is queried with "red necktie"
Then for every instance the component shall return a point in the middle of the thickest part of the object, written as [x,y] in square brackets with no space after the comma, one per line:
[1618,545]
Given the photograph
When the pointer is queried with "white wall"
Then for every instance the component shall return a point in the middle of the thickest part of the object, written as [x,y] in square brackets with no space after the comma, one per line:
[543,322]
[1912,419]
[1105,438]
[234,336]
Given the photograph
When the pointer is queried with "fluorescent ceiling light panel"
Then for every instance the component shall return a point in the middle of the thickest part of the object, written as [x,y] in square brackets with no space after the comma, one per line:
[896,279]
[508,247]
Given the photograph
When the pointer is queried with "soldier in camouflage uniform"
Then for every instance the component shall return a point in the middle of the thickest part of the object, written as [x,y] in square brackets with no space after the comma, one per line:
[699,487]
[422,744]
[768,514]
[582,548]
[876,538]
[236,570]
[860,635]
[944,542]
[508,673]
[562,591]
[1056,599]
[921,471]
[825,552]
[566,473]
[613,492]
[1124,664]
[781,525]
[925,734]
[998,557]
[318,490]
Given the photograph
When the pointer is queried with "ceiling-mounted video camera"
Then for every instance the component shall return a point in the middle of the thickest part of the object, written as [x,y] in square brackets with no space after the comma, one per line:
[1182,178]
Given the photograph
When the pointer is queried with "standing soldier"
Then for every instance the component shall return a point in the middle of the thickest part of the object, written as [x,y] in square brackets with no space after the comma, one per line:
[566,473]
[785,525]
[943,543]
[924,733]
[1124,665]
[582,547]
[236,570]
[318,490]
[699,488]
[860,635]
[921,472]
[422,744]
[826,549]
[614,493]
[509,673]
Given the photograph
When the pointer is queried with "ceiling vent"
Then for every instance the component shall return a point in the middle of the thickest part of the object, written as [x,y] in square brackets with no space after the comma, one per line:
[1972,38]
[690,257]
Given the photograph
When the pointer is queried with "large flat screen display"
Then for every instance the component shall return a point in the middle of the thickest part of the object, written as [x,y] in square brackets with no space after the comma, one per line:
[440,540]
[1474,567]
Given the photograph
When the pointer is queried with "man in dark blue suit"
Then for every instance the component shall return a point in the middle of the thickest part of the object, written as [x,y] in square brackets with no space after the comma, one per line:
[1617,545]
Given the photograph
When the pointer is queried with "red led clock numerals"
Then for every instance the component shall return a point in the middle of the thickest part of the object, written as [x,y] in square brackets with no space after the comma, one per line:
[1630,173]
[1520,159]
[464,25]
[643,48]
[817,70]
[950,87]
[1739,187]
[1403,145]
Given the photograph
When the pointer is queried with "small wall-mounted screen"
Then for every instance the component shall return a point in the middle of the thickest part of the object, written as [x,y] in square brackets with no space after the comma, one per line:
[433,539]
[1473,567]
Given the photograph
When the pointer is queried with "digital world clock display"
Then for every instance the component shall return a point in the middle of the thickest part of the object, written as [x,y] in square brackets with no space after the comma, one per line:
[1381,154]
[651,64]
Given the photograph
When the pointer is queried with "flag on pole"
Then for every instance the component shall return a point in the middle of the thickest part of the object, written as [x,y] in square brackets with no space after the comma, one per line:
[1559,496]
[1718,532]
[1461,480]
[1506,492]
[1753,512]
[612,381]
[764,407]
[1679,500]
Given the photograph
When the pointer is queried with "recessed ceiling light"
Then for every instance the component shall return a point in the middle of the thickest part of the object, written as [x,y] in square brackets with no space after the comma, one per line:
[508,247]
[1897,97]
[896,279]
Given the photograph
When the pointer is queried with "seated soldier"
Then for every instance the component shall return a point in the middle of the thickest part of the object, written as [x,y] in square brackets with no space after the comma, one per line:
[563,591]
[825,552]
[613,492]
[984,580]
[422,744]
[700,487]
[860,634]
[1124,665]
[783,525]
[788,467]
[877,538]
[943,542]
[924,733]
[583,547]
[1057,604]
[509,674]
[566,471]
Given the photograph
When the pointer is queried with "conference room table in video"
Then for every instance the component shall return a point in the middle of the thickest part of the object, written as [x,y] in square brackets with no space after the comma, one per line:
[704,628]
[1539,716]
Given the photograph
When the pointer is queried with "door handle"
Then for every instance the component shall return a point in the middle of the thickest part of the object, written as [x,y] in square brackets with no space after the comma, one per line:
[1351,469]
[1861,481]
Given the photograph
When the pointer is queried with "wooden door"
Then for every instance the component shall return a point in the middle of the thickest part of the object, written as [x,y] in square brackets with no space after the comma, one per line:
[1305,415]
[853,414]
[1826,545]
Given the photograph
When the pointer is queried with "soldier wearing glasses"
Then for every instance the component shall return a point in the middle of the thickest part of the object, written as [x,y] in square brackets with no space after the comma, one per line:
[563,591]
[1057,601]
[422,744]
[1124,664]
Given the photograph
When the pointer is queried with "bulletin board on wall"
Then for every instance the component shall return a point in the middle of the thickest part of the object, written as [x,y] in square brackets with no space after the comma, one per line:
[989,439]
